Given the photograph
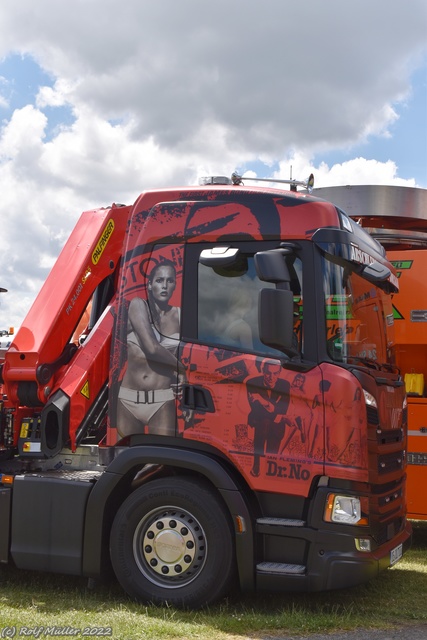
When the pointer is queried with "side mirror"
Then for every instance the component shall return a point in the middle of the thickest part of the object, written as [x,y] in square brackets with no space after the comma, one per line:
[276,306]
[275,319]
[271,267]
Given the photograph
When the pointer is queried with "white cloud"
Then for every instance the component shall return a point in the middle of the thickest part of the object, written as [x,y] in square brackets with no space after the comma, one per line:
[4,102]
[361,171]
[56,96]
[23,135]
[299,166]
[275,77]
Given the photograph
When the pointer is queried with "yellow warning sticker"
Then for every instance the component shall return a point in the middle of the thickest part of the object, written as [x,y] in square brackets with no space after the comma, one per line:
[85,390]
[24,430]
[102,243]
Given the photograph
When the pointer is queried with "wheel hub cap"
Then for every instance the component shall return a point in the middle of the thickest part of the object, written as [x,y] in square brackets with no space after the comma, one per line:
[173,545]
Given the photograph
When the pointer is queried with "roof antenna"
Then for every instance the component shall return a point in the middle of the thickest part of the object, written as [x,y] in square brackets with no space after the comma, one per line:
[237,179]
[293,184]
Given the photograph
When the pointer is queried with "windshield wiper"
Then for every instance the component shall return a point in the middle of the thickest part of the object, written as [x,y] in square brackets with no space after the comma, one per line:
[369,362]
[373,364]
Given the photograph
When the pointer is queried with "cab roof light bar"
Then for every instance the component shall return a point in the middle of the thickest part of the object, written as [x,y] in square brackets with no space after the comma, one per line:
[307,184]
[237,180]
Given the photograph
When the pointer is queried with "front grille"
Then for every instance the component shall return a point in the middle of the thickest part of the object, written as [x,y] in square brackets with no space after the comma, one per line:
[391,436]
[372,416]
[390,462]
[389,530]
[387,510]
[386,463]
[388,499]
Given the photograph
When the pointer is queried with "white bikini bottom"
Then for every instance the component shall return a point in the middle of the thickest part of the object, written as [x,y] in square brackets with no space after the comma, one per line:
[144,404]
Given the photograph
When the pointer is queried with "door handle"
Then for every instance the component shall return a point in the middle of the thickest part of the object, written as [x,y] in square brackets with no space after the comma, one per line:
[197,398]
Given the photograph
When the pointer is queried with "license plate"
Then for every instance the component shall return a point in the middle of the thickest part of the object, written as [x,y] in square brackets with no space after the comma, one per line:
[396,554]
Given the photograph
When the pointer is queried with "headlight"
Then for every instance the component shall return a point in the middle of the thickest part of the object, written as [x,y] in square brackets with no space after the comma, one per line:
[344,510]
[369,399]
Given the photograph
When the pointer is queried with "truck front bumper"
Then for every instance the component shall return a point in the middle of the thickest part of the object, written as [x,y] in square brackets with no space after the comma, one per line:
[333,562]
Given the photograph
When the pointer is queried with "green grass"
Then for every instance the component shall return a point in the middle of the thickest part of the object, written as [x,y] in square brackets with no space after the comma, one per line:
[31,600]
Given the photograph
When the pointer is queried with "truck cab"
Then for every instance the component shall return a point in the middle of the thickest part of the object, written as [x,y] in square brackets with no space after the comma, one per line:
[231,409]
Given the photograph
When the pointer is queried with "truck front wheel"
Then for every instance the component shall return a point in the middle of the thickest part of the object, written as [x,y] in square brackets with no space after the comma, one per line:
[171,541]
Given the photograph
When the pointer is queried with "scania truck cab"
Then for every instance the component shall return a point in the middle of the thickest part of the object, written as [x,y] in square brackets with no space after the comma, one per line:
[230,410]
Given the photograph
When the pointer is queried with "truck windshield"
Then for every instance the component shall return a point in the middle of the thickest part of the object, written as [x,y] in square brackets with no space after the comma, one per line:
[359,318]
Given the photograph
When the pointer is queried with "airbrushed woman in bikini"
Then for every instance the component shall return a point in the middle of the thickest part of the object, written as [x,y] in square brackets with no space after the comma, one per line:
[151,382]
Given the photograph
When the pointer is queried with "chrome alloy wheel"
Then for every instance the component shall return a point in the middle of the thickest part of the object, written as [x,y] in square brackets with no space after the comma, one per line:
[170,547]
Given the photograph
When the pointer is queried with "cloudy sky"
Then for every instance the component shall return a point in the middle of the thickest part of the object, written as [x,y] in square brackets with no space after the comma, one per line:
[101,99]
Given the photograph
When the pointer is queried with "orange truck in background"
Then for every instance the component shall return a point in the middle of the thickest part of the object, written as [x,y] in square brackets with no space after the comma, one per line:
[397,217]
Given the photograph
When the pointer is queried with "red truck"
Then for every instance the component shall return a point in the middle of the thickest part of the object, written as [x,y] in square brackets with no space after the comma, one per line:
[203,392]
[397,217]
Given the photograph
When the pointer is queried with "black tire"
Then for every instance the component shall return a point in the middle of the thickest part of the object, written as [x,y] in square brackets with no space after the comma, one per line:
[171,541]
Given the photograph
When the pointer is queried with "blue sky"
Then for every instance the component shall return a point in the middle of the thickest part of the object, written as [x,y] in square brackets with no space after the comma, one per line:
[406,144]
[22,78]
[100,100]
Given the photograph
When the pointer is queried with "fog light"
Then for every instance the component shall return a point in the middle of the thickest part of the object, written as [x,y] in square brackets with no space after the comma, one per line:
[363,544]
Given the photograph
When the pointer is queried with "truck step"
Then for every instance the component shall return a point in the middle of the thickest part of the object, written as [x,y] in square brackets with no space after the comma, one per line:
[280,568]
[281,522]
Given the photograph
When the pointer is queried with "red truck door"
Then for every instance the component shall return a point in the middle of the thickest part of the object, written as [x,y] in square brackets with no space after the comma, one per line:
[238,397]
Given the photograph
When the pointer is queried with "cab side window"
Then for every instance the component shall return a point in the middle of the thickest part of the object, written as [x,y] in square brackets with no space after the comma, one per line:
[228,306]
